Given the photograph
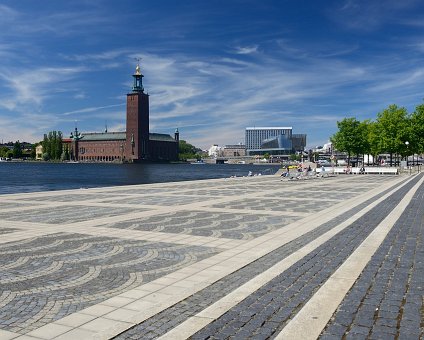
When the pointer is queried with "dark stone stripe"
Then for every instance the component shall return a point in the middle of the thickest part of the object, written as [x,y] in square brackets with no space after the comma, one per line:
[168,319]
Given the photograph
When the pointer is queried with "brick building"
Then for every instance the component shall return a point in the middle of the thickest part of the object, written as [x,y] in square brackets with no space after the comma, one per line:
[135,144]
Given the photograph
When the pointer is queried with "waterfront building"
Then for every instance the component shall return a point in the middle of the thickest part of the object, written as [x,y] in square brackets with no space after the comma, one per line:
[136,144]
[214,151]
[39,152]
[273,140]
[237,150]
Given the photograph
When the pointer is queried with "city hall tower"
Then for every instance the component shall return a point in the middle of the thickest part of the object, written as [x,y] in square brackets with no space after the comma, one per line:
[137,134]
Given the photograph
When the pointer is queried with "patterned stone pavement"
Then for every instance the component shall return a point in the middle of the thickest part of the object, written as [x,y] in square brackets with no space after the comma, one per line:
[234,258]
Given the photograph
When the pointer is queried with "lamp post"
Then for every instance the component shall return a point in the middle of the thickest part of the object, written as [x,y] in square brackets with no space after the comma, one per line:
[407,152]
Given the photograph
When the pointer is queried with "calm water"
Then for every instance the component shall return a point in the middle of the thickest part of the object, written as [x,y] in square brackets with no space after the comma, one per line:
[30,177]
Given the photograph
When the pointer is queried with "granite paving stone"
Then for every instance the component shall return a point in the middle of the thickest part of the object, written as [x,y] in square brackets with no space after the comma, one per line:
[392,271]
[308,271]
[222,287]
[93,259]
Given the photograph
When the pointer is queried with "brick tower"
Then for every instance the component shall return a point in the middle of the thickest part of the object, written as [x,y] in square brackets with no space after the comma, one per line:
[137,138]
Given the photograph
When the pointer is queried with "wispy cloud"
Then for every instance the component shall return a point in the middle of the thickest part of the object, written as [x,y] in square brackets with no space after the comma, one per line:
[91,109]
[32,86]
[207,71]
[246,49]
[371,15]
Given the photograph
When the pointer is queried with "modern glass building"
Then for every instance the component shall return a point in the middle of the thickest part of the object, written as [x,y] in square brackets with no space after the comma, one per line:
[273,140]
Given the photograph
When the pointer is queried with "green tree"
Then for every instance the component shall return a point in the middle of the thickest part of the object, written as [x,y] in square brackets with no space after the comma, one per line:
[33,153]
[17,150]
[350,137]
[417,130]
[374,142]
[294,157]
[4,151]
[187,151]
[53,145]
[392,130]
[364,145]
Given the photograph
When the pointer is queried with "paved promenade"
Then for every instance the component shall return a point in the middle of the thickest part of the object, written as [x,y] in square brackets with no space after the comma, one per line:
[254,257]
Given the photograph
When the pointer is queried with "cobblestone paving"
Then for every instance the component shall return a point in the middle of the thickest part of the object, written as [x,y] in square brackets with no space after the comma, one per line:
[387,300]
[139,191]
[344,189]
[7,230]
[168,319]
[52,276]
[210,224]
[311,195]
[153,200]
[45,278]
[264,313]
[9,205]
[222,192]
[67,198]
[268,204]
[65,214]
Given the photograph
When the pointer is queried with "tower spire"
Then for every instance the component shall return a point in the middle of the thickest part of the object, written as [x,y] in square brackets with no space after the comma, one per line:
[138,78]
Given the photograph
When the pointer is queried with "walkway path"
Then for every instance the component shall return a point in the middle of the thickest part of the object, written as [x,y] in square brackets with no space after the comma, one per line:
[236,258]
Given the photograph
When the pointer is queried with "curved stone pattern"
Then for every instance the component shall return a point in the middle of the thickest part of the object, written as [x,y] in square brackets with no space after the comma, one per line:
[7,230]
[266,312]
[67,198]
[65,214]
[152,200]
[299,206]
[58,274]
[217,192]
[10,205]
[266,250]
[199,223]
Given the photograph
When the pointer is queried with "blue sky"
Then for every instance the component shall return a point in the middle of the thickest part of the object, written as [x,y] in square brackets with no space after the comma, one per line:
[212,68]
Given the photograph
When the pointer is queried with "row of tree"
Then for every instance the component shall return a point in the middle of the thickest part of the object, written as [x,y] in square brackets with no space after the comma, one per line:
[188,151]
[394,132]
[53,146]
[17,151]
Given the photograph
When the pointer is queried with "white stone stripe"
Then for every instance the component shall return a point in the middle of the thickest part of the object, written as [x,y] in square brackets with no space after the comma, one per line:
[208,315]
[198,278]
[314,316]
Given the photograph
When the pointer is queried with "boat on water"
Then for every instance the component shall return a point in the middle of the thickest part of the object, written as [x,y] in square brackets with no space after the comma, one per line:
[198,162]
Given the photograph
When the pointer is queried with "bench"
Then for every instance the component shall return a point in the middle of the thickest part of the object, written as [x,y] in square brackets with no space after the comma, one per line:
[381,170]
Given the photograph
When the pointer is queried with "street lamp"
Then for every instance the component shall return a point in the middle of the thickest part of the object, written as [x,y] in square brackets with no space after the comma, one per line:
[407,152]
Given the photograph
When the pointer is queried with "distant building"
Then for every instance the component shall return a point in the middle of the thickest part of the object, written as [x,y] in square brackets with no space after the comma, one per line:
[327,148]
[39,152]
[214,151]
[133,145]
[237,150]
[273,140]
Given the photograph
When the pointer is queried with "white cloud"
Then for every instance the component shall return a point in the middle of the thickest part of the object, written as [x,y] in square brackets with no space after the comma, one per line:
[246,49]
[32,86]
[91,109]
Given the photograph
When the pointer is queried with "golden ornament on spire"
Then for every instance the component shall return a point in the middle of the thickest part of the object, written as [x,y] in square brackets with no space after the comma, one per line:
[137,70]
